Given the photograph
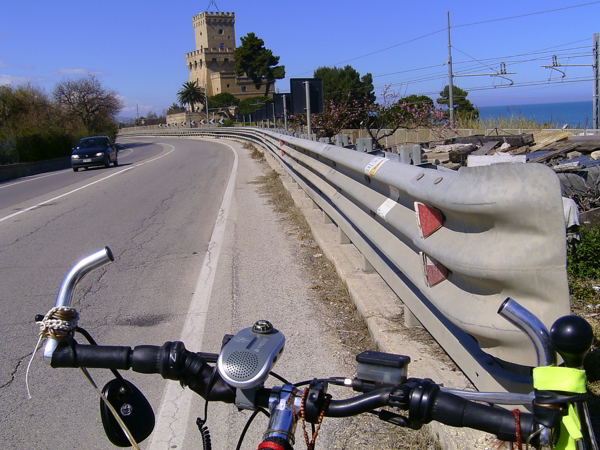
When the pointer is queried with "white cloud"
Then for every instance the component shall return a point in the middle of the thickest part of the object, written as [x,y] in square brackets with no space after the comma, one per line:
[16,80]
[19,66]
[78,71]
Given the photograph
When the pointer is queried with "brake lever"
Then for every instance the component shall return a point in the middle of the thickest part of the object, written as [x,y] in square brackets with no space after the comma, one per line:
[397,419]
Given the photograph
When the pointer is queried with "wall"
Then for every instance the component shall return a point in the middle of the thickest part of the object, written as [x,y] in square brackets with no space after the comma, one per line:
[12,171]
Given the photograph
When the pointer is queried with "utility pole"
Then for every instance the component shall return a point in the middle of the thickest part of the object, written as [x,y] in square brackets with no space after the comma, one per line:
[450,77]
[284,113]
[307,88]
[274,118]
[206,99]
[597,82]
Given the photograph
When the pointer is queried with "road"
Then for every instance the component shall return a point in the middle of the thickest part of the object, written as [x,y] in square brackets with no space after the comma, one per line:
[198,253]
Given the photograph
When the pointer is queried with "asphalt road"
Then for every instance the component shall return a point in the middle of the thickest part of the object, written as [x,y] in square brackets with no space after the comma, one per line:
[156,211]
[198,253]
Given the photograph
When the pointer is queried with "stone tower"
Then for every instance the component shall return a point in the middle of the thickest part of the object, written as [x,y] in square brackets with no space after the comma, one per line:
[212,63]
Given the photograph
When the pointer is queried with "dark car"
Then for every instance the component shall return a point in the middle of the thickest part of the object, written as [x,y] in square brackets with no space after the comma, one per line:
[94,151]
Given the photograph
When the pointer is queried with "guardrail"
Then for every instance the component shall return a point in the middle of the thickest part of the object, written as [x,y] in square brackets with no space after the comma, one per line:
[452,245]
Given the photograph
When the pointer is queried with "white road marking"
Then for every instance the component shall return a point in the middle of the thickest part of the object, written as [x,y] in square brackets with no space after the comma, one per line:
[87,185]
[172,415]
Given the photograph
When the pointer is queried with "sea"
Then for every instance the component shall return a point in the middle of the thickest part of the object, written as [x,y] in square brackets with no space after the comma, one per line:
[573,114]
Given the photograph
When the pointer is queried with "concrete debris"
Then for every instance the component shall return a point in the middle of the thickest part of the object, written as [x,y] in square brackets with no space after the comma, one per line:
[464,148]
[557,149]
[487,160]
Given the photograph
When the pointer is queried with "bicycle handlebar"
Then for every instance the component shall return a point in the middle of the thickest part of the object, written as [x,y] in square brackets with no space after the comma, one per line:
[423,399]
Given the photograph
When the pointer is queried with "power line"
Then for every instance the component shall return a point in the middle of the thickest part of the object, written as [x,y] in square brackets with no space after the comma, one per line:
[548,51]
[382,50]
[463,25]
[409,70]
[474,59]
[526,15]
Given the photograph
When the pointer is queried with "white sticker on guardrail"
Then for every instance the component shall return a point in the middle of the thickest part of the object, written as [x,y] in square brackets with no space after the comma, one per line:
[375,164]
[394,193]
[385,208]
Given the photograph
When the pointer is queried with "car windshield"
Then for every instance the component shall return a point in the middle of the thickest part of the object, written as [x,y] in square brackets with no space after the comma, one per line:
[92,143]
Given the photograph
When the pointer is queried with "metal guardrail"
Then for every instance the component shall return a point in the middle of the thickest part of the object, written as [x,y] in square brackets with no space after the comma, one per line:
[452,245]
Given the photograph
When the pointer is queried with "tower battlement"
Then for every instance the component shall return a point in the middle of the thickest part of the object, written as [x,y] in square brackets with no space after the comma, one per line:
[206,15]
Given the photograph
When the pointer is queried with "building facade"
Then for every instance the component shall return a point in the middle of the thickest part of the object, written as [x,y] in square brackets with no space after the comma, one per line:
[212,64]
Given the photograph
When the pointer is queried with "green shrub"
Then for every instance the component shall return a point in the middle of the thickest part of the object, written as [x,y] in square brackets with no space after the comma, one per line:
[584,261]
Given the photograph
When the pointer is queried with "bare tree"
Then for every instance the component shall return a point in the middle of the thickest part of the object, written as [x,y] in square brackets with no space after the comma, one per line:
[87,101]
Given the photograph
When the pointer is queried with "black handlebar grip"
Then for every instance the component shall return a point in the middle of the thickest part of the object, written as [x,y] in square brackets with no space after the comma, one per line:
[69,354]
[458,412]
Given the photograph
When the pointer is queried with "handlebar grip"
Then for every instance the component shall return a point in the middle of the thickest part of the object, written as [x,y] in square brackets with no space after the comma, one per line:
[171,360]
[459,412]
[91,356]
[167,360]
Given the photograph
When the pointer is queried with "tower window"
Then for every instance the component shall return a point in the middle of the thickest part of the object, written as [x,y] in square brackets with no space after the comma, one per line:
[243,88]
[220,31]
[221,46]
[227,85]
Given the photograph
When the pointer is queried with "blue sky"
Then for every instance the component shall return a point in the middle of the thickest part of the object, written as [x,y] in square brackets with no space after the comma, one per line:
[137,48]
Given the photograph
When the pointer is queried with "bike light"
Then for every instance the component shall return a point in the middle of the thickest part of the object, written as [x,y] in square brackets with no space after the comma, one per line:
[247,359]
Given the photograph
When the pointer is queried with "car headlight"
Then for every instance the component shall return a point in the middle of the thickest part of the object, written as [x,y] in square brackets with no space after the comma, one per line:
[74,156]
[100,154]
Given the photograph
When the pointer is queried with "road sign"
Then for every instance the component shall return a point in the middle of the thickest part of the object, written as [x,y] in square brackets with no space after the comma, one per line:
[211,121]
[315,89]
[221,121]
[278,99]
[201,121]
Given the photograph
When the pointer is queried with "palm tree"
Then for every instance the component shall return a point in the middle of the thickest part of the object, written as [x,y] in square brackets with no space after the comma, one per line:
[190,94]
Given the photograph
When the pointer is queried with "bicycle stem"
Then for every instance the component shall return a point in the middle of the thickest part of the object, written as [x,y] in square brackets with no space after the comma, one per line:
[284,407]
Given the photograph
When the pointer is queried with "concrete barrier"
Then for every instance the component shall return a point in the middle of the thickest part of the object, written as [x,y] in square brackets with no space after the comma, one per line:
[12,171]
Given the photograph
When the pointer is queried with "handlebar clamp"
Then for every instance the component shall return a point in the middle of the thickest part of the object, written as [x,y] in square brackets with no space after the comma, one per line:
[315,400]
